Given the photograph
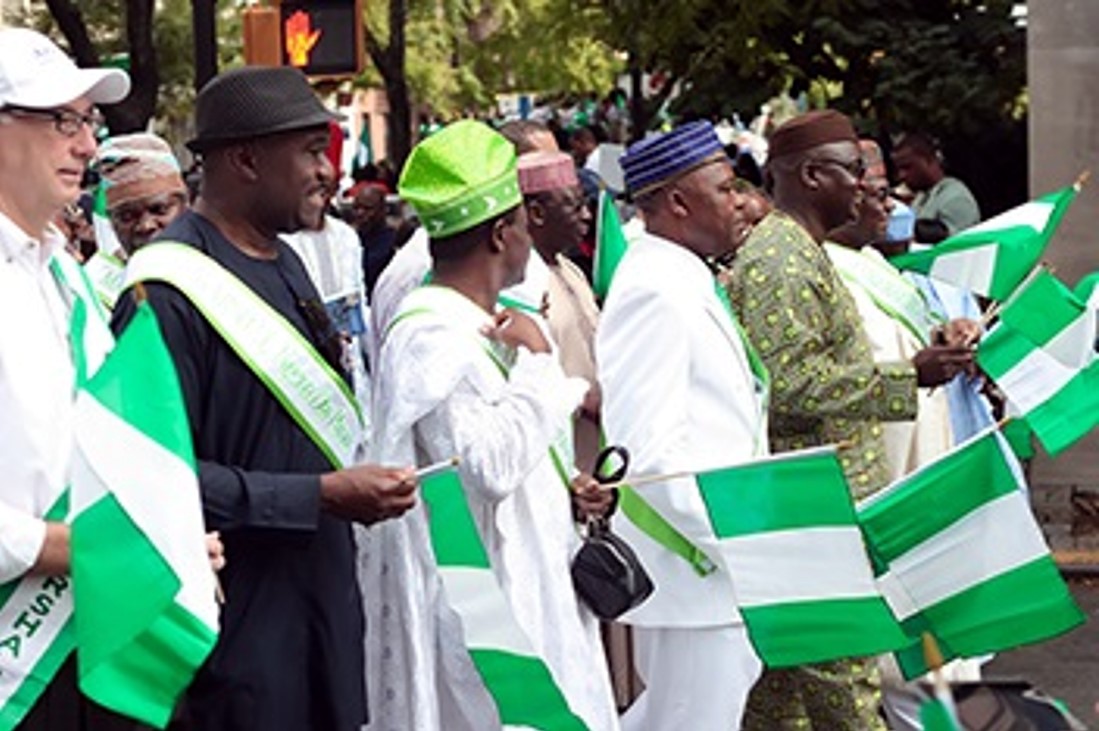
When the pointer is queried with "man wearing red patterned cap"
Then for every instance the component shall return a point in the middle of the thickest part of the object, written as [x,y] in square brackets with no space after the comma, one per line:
[558,219]
[826,388]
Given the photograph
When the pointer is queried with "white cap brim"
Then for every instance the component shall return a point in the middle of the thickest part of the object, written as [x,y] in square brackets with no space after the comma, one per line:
[100,86]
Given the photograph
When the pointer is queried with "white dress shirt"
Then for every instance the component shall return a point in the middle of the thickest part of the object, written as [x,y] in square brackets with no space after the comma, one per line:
[36,393]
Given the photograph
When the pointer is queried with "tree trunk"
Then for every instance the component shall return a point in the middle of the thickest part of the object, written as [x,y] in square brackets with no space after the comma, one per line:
[134,113]
[390,61]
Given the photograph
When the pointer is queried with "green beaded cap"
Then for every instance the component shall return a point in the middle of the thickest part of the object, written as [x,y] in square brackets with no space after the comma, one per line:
[459,177]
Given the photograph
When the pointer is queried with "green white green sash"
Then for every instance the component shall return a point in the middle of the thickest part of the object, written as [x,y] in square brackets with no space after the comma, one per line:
[36,625]
[312,393]
[108,274]
[891,292]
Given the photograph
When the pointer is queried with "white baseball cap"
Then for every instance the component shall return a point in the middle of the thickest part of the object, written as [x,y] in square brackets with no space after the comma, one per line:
[35,73]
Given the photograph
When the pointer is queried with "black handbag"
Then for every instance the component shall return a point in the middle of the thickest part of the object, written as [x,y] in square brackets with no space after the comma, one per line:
[606,573]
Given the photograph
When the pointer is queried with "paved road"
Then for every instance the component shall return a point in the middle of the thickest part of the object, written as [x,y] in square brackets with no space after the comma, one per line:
[1066,667]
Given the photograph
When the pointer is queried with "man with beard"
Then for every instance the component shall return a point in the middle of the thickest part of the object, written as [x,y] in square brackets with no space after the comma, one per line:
[682,390]
[826,387]
[274,426]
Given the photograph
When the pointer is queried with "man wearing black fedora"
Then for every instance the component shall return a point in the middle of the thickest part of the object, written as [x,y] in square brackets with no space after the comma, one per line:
[276,433]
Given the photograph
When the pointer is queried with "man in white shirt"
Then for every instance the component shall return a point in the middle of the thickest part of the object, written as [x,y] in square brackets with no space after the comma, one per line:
[48,122]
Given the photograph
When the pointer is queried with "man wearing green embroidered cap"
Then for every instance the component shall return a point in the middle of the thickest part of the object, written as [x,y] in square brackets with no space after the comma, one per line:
[457,376]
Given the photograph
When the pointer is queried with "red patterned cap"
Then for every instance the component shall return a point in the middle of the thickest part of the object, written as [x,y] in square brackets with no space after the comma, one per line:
[542,170]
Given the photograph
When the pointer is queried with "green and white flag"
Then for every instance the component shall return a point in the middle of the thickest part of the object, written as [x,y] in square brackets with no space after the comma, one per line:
[939,713]
[1042,356]
[791,544]
[364,150]
[959,556]
[993,257]
[146,617]
[518,680]
[610,245]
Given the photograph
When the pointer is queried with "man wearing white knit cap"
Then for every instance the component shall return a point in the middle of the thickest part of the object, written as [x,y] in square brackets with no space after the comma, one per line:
[144,188]
[143,191]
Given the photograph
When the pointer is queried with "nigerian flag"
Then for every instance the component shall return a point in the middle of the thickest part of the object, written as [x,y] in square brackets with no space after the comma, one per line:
[364,150]
[143,588]
[518,680]
[610,244]
[791,544]
[1042,356]
[959,556]
[993,257]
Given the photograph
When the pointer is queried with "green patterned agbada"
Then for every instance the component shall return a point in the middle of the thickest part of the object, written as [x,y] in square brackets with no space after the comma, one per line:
[825,389]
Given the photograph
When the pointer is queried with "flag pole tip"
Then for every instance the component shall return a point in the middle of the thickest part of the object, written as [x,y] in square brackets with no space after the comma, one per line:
[931,653]
[1082,180]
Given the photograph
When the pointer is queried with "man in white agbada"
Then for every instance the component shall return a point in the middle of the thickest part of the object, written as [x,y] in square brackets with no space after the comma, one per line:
[332,255]
[897,319]
[456,377]
[680,392]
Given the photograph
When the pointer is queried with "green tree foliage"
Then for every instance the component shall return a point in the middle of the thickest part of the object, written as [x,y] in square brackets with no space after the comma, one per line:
[451,57]
[950,66]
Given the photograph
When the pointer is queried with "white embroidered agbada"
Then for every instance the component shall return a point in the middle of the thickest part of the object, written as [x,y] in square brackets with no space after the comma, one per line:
[439,393]
[908,444]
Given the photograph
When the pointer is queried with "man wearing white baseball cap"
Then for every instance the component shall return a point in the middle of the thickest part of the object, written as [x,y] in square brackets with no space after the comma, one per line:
[48,121]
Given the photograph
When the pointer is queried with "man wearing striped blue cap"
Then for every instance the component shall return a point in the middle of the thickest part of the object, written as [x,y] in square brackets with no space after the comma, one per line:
[683,393]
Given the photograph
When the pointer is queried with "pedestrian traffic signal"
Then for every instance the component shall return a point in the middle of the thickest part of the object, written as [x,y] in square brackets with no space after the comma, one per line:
[322,37]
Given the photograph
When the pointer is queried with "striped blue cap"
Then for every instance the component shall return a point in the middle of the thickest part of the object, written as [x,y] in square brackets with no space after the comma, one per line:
[655,160]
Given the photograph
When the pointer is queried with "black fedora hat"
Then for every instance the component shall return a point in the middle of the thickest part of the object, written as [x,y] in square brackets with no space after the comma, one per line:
[255,101]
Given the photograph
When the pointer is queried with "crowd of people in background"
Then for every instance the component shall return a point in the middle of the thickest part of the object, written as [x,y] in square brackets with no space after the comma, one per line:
[451,303]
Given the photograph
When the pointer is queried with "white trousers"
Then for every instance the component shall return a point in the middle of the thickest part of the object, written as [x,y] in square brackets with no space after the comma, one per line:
[696,678]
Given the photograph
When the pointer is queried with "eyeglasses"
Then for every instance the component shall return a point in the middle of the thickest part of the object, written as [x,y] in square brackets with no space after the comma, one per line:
[855,168]
[66,121]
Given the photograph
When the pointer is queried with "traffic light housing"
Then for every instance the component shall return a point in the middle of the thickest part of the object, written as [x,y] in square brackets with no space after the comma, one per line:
[321,37]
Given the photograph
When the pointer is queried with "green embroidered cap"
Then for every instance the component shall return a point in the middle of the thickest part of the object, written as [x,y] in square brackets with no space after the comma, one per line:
[459,177]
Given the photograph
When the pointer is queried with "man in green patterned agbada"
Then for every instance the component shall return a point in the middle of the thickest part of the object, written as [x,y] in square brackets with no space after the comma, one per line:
[826,388]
